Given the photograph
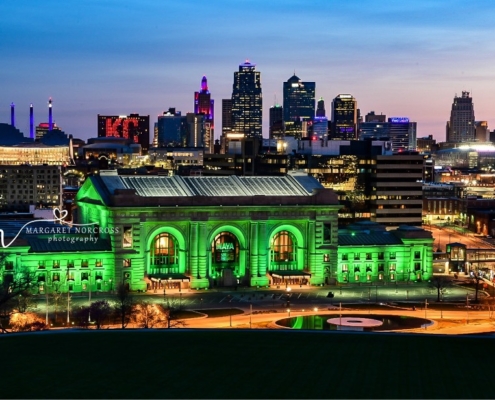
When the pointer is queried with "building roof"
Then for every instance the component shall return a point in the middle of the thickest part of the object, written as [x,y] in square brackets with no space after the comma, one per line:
[368,233]
[347,238]
[214,186]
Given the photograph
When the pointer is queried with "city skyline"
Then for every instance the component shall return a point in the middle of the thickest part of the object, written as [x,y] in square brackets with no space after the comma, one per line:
[402,60]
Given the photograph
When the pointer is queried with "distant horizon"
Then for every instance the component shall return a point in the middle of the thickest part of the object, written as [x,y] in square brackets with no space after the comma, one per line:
[114,58]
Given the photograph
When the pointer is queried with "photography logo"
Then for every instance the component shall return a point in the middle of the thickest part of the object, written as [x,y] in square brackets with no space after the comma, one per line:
[66,228]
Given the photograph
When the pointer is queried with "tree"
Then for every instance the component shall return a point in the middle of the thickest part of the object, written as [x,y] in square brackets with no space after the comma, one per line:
[440,283]
[172,309]
[148,315]
[81,317]
[20,284]
[477,279]
[26,322]
[100,311]
[124,305]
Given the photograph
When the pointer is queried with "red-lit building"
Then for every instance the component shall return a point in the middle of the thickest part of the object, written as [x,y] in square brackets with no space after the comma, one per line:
[204,105]
[134,127]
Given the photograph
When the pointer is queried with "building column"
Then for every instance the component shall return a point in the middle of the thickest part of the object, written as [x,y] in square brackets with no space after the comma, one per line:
[315,267]
[260,278]
[253,250]
[197,255]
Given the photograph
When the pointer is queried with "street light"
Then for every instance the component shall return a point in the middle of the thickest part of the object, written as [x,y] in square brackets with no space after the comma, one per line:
[89,298]
[288,311]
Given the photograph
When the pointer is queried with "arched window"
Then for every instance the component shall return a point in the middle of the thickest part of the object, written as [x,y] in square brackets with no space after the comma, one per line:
[164,254]
[225,248]
[283,251]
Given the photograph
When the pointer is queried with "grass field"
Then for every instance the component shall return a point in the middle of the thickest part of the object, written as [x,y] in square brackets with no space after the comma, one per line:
[180,363]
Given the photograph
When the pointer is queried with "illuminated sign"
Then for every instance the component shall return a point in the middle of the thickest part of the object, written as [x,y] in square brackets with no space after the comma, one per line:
[399,120]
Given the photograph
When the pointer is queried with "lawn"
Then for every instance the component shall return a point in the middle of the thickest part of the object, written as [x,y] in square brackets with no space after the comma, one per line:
[181,363]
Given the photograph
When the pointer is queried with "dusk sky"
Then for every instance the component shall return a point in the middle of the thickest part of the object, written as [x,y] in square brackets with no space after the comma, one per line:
[399,58]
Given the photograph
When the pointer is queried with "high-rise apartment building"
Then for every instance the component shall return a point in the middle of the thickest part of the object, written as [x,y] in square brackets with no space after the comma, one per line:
[461,126]
[344,117]
[247,101]
[203,104]
[134,127]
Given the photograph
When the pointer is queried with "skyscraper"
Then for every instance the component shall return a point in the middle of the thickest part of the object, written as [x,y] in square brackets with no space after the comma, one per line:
[344,117]
[299,100]
[320,108]
[276,121]
[203,104]
[320,124]
[247,101]
[461,127]
[134,127]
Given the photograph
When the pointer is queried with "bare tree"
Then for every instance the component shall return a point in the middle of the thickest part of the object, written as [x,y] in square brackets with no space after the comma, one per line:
[21,284]
[148,315]
[477,279]
[100,311]
[440,283]
[172,308]
[124,305]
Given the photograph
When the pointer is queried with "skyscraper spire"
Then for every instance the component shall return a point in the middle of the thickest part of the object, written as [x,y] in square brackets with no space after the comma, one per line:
[204,84]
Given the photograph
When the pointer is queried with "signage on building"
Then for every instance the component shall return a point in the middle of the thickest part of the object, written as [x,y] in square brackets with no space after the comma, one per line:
[225,252]
[399,120]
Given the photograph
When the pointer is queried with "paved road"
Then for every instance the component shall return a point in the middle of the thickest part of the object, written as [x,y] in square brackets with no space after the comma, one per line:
[269,298]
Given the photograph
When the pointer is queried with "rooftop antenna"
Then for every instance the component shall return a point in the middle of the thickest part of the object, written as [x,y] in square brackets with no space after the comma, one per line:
[12,114]
[50,118]
[31,121]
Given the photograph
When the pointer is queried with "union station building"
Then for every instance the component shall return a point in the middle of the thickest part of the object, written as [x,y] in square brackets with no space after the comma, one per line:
[155,232]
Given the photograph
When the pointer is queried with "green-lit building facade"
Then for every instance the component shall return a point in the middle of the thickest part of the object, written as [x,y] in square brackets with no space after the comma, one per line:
[154,232]
[367,252]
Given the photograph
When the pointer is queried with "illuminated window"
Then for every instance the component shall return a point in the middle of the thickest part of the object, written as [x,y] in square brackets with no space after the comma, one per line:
[84,263]
[326,257]
[56,277]
[392,267]
[368,277]
[164,252]
[98,263]
[356,277]
[380,277]
[127,237]
[283,247]
[126,263]
[56,264]
[392,277]
[345,268]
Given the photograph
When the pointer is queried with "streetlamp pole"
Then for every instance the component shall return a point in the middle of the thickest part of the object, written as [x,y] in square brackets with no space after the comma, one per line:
[46,295]
[89,298]
[250,315]
[68,297]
